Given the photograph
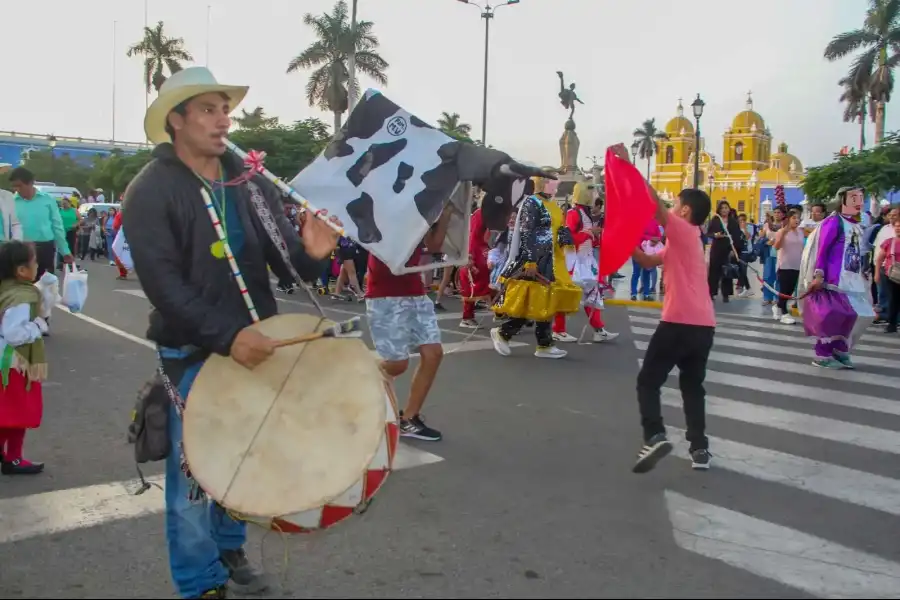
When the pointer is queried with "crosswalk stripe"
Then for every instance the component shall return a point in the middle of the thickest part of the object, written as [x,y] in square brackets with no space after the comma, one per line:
[862,436]
[796,368]
[809,563]
[834,481]
[58,511]
[774,349]
[824,395]
[800,339]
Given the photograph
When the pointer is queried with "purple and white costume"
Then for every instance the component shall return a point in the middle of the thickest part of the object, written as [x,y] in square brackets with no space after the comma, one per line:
[837,314]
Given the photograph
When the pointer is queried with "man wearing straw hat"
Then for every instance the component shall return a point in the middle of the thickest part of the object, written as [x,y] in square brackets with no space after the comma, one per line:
[204,301]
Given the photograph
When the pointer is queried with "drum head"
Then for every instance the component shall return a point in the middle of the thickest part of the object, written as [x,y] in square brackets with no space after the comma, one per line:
[293,433]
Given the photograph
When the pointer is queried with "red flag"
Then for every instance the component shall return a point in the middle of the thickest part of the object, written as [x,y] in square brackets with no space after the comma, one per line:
[629,207]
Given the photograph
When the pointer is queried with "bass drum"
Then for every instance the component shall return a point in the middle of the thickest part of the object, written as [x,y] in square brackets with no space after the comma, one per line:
[299,443]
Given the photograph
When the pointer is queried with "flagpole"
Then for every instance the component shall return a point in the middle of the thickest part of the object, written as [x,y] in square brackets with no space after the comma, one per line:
[208,18]
[146,25]
[115,27]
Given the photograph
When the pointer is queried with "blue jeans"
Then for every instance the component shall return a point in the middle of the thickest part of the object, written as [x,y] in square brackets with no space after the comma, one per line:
[637,273]
[770,276]
[884,293]
[196,530]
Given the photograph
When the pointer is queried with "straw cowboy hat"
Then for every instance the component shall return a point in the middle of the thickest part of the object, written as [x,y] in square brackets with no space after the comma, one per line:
[182,86]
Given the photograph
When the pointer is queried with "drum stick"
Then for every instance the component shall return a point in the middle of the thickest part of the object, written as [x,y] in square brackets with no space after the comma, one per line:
[288,190]
[349,328]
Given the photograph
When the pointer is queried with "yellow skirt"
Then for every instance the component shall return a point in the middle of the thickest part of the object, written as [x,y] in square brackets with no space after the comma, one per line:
[535,301]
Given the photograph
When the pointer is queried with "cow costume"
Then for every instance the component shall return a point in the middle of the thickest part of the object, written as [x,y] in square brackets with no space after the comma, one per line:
[535,283]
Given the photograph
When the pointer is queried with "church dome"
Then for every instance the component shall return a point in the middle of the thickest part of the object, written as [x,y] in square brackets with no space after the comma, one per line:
[786,161]
[679,123]
[748,119]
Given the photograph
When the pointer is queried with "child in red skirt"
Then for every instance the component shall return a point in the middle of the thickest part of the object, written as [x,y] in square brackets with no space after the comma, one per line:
[23,365]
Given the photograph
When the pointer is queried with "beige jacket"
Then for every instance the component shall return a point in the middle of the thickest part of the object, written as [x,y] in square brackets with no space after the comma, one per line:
[11,228]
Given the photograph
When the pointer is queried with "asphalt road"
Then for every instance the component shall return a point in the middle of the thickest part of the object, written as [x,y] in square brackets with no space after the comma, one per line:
[529,494]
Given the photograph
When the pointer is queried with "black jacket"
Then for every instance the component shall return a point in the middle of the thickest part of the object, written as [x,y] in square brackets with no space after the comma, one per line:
[195,297]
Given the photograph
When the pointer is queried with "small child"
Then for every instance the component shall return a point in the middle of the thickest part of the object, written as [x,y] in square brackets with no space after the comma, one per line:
[23,365]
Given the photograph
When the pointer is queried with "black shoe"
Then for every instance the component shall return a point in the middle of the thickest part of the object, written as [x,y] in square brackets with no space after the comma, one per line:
[415,427]
[653,451]
[700,459]
[438,307]
[245,578]
[21,467]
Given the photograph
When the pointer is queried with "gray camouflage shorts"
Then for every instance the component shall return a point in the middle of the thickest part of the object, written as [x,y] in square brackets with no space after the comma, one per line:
[399,325]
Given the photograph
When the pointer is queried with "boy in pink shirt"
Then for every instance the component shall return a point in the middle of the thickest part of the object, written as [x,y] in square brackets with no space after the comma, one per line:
[684,336]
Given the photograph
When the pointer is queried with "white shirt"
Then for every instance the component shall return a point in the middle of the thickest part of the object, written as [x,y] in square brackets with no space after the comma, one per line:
[12,228]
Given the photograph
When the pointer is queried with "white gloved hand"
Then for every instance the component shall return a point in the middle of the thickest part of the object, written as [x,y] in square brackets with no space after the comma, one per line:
[42,324]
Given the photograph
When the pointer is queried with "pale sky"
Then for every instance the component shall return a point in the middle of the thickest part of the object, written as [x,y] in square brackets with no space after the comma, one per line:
[631,60]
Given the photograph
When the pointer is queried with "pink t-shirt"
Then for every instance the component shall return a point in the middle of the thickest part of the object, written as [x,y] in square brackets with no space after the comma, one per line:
[687,298]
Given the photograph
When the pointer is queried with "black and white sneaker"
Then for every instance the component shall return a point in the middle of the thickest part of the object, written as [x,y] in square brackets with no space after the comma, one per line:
[653,451]
[415,427]
[700,459]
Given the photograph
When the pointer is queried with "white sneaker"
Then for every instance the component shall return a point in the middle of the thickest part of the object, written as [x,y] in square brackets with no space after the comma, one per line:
[469,324]
[500,345]
[551,352]
[746,294]
[564,337]
[776,312]
[604,336]
[787,320]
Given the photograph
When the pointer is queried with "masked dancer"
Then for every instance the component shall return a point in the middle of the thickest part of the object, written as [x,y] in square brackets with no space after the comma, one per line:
[535,283]
[838,307]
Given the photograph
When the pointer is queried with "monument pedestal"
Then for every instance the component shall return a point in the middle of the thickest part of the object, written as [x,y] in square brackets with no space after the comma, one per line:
[569,173]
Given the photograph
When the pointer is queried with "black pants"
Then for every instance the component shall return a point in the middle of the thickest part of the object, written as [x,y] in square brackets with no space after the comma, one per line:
[717,261]
[687,347]
[46,257]
[542,331]
[787,284]
[893,303]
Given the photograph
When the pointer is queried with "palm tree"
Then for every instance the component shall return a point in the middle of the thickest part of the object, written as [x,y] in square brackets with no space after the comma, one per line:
[255,119]
[880,40]
[450,124]
[159,51]
[647,136]
[856,100]
[327,85]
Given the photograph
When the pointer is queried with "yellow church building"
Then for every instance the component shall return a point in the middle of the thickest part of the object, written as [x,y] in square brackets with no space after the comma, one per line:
[747,174]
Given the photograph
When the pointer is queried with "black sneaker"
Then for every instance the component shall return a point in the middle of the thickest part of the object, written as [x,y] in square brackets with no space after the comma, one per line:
[654,449]
[415,427]
[245,578]
[700,459]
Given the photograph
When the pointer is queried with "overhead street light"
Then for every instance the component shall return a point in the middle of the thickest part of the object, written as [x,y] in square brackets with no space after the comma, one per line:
[487,13]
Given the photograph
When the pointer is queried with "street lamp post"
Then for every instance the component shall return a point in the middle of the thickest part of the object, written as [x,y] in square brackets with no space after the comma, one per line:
[697,105]
[351,64]
[635,146]
[487,13]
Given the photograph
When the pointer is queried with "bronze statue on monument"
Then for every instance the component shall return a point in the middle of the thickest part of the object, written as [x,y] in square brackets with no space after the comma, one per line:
[567,96]
[568,143]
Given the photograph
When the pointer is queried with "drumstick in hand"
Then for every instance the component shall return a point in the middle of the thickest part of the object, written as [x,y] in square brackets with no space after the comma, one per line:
[349,328]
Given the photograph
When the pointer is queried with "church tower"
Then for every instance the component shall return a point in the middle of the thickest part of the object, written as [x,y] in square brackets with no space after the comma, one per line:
[672,154]
[748,144]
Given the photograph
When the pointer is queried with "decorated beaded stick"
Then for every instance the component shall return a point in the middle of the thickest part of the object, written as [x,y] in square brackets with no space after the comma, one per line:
[254,161]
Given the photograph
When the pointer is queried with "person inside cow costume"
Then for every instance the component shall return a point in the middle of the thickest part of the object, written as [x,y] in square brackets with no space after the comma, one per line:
[535,283]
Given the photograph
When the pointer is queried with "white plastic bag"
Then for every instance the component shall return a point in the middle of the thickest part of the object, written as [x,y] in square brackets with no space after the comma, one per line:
[48,284]
[75,288]
[122,251]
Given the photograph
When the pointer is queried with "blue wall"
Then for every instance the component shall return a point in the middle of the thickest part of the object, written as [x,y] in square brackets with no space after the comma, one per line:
[13,150]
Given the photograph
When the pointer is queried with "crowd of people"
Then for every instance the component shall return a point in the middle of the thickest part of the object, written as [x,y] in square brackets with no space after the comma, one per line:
[204,233]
